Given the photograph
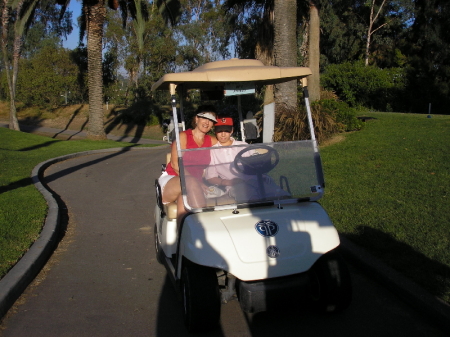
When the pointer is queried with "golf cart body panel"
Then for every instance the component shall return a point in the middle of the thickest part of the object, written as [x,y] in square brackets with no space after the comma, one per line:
[232,242]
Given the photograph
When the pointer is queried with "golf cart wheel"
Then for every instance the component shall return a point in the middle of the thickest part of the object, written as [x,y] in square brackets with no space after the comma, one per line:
[330,284]
[201,297]
[158,250]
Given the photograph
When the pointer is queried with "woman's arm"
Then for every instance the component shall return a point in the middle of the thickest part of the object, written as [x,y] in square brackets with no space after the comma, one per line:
[174,152]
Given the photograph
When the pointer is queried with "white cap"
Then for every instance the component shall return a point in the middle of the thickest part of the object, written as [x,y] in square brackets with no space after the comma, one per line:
[207,115]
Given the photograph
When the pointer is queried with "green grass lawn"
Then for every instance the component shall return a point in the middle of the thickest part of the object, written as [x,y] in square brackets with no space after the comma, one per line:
[388,190]
[22,208]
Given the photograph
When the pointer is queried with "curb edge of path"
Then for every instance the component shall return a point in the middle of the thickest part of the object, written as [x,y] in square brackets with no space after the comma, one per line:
[14,283]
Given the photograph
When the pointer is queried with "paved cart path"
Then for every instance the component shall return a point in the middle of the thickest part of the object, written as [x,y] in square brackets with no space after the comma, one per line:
[103,279]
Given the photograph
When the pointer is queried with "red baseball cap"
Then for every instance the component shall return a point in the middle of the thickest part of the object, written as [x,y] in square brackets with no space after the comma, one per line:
[223,124]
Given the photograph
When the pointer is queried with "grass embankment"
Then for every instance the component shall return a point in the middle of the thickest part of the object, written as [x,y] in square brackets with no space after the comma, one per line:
[388,190]
[22,207]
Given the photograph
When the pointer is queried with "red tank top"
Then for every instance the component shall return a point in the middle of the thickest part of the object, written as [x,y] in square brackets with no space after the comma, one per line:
[196,161]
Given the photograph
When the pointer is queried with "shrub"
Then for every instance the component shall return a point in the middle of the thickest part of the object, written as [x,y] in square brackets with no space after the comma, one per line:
[330,116]
[292,124]
[357,84]
[344,115]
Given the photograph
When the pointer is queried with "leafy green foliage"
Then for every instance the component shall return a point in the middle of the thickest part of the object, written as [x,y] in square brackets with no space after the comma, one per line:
[145,50]
[368,86]
[343,115]
[46,27]
[344,25]
[429,57]
[48,77]
[203,33]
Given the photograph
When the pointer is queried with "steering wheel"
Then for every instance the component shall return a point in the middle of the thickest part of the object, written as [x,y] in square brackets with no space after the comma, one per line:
[256,163]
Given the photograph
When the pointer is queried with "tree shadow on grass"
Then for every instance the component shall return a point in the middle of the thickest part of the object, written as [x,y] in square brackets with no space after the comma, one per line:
[16,184]
[432,275]
[38,146]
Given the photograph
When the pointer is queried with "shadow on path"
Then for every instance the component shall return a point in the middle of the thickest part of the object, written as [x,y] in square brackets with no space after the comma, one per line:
[427,272]
[59,174]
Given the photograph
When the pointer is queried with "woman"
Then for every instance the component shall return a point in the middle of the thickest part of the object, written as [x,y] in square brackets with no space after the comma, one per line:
[194,162]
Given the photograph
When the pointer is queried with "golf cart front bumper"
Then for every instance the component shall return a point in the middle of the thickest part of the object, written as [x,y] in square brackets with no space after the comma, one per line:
[273,294]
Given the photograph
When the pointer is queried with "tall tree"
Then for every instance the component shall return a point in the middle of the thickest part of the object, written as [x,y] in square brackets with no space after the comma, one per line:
[250,19]
[203,32]
[17,13]
[48,75]
[285,48]
[94,14]
[430,57]
[375,12]
[274,24]
[144,61]
[17,17]
[92,21]
[359,29]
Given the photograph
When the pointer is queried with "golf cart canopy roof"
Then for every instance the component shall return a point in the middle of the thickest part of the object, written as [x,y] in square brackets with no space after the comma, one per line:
[217,74]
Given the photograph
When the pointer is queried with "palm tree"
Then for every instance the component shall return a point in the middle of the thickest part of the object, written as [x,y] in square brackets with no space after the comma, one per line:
[285,48]
[92,21]
[276,42]
[314,52]
[93,18]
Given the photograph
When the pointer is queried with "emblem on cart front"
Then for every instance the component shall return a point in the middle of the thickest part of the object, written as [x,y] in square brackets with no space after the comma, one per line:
[273,252]
[266,228]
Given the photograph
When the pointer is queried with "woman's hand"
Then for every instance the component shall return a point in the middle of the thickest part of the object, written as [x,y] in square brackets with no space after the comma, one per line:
[231,182]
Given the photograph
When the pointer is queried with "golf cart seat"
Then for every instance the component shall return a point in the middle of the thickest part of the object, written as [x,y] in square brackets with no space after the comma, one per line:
[170,209]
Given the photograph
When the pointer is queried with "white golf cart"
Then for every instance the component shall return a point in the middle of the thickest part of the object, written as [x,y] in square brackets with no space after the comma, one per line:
[273,246]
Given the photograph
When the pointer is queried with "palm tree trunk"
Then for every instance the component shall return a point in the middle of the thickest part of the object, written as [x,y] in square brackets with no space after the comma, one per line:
[264,47]
[96,14]
[285,48]
[314,53]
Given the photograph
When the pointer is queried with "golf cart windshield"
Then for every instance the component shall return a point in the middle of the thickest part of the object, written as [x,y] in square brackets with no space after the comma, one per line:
[282,172]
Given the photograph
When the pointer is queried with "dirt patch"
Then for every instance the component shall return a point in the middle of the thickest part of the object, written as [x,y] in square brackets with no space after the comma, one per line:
[333,140]
[76,117]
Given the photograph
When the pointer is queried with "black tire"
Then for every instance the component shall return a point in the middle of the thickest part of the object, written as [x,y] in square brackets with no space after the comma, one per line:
[201,297]
[159,253]
[330,284]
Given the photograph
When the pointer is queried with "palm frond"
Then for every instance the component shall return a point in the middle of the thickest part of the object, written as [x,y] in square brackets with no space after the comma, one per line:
[170,10]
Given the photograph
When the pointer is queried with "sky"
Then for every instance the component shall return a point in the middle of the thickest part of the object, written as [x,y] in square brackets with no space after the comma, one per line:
[72,40]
